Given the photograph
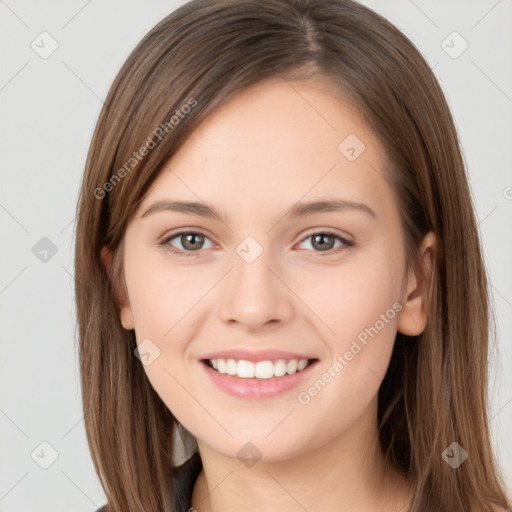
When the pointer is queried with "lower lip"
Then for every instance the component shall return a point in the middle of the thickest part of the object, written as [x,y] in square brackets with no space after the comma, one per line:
[256,388]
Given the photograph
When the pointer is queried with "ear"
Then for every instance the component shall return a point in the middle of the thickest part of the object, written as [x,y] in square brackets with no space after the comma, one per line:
[125,310]
[414,314]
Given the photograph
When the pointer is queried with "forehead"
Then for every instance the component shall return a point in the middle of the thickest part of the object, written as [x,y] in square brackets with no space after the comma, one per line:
[278,142]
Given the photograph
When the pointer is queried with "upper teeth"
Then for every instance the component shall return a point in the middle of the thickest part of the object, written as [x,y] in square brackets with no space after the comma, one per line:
[261,370]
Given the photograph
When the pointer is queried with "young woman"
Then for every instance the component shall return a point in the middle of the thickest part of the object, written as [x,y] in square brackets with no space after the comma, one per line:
[277,256]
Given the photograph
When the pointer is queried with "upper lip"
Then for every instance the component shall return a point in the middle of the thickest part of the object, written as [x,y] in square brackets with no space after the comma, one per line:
[255,355]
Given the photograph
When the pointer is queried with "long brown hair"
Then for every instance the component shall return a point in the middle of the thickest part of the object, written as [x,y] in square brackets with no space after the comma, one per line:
[435,391]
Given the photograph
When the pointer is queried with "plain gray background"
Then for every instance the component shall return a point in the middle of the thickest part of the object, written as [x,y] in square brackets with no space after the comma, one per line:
[49,108]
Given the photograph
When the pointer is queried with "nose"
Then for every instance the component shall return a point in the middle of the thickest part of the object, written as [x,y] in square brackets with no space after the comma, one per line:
[254,295]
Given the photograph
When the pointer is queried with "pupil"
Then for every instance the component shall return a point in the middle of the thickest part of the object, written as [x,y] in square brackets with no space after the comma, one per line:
[189,241]
[320,239]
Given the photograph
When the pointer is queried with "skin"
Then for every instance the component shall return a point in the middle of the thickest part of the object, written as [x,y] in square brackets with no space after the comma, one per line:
[268,147]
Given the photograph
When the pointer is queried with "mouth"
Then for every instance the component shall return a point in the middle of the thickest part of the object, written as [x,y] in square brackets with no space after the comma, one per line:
[258,380]
[261,370]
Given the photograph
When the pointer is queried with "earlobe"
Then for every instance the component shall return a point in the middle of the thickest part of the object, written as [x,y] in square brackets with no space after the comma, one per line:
[125,311]
[126,318]
[414,314]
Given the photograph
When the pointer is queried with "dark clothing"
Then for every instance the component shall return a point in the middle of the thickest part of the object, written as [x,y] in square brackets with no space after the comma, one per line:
[183,480]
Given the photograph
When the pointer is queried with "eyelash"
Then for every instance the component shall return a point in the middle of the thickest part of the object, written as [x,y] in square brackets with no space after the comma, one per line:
[178,252]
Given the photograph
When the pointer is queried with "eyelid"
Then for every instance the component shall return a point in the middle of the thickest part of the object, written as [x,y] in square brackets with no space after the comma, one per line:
[182,231]
[345,237]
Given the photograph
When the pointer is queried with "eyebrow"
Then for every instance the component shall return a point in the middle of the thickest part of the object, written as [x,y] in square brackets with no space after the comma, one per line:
[297,210]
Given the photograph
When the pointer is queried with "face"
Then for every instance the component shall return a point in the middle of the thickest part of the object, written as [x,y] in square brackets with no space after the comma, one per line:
[266,281]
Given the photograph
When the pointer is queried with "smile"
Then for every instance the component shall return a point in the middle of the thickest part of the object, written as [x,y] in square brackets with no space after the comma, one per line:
[257,380]
[260,370]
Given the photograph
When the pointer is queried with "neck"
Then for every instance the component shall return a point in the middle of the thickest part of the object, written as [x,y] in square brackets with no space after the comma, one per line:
[349,471]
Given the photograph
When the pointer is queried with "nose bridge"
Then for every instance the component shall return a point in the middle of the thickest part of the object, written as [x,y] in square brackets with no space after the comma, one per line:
[254,294]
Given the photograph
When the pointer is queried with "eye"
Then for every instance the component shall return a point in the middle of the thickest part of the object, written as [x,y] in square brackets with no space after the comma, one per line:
[324,242]
[190,242]
[193,241]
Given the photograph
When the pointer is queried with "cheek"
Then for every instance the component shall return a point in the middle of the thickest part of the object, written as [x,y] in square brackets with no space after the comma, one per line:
[359,306]
[166,300]
[162,300]
[163,295]
[352,296]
